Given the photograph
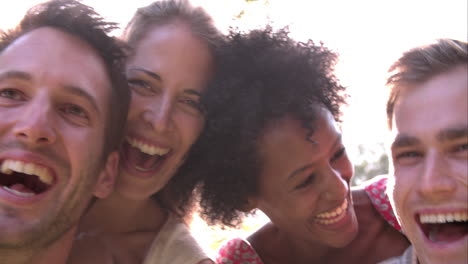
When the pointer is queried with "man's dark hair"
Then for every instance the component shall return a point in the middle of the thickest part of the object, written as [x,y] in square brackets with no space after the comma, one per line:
[261,75]
[420,64]
[82,21]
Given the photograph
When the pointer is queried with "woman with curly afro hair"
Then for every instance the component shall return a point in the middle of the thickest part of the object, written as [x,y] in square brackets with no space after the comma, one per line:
[271,142]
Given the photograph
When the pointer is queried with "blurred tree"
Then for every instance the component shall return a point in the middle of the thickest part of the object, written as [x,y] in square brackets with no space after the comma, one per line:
[372,161]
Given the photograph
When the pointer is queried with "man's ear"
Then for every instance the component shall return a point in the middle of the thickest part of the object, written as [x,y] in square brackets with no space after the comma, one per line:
[107,177]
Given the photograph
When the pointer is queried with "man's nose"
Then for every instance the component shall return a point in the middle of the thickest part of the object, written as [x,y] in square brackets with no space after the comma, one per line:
[435,182]
[35,126]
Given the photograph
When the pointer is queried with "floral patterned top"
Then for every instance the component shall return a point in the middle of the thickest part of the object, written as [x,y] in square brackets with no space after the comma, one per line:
[239,251]
[376,189]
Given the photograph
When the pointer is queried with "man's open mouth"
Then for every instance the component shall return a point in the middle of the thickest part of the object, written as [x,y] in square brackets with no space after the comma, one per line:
[144,157]
[23,178]
[444,228]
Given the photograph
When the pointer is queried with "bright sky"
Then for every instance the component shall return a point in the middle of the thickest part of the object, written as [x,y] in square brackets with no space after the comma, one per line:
[368,34]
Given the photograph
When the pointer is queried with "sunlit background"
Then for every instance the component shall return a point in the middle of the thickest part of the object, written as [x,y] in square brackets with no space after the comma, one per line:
[368,35]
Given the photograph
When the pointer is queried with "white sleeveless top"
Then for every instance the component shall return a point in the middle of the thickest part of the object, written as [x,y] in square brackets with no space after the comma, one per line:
[174,244]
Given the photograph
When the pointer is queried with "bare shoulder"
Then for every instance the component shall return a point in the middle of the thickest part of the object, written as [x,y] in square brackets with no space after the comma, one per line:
[270,245]
[360,196]
[363,207]
[264,239]
[371,222]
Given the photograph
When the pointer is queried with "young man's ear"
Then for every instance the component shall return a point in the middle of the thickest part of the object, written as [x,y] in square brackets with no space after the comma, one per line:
[107,177]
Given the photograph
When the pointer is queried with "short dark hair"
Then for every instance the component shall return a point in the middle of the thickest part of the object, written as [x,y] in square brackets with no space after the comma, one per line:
[420,64]
[261,76]
[82,21]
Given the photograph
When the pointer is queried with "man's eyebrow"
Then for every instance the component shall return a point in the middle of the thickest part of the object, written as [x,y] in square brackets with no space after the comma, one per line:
[150,73]
[194,92]
[75,90]
[15,75]
[452,134]
[403,140]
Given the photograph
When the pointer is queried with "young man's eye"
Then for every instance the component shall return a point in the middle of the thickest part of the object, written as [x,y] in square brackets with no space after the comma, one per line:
[12,94]
[409,154]
[407,157]
[460,151]
[461,147]
[75,111]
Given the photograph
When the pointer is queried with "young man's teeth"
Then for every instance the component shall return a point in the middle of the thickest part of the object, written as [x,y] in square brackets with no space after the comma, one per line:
[8,166]
[18,193]
[443,218]
[145,148]
[338,211]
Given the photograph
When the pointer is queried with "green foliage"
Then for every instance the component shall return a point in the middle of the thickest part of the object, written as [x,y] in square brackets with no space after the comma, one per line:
[373,162]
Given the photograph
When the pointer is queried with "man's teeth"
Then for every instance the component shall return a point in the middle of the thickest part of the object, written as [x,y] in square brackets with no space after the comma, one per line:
[443,218]
[8,166]
[148,149]
[333,216]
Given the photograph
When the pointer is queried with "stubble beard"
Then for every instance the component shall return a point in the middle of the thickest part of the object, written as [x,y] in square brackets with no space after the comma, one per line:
[51,228]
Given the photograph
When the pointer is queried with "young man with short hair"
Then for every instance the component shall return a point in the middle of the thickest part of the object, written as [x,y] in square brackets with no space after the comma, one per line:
[428,116]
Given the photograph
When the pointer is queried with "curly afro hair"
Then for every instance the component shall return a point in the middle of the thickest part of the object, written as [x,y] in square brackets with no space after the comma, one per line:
[260,76]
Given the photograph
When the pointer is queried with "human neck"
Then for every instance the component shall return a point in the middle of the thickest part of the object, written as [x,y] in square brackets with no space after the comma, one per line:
[303,252]
[275,246]
[56,253]
[127,215]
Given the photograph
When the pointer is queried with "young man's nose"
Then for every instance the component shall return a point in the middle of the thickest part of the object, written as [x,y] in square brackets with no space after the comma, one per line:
[435,181]
[36,125]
